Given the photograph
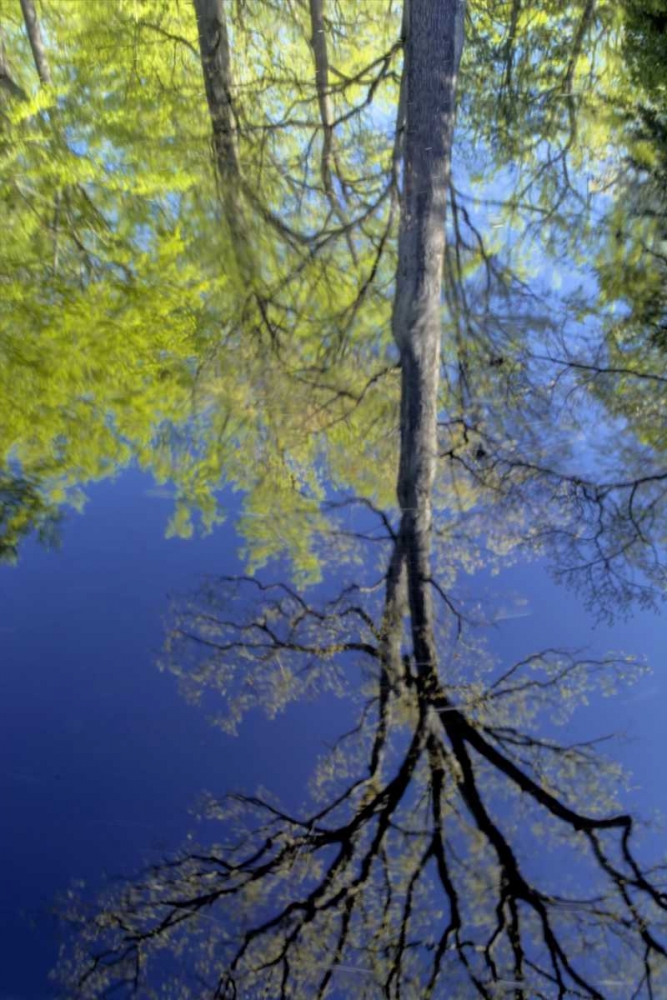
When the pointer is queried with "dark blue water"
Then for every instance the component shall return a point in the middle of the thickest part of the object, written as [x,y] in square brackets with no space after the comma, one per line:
[103,760]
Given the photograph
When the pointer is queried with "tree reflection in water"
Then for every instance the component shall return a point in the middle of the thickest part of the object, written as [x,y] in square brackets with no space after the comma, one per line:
[421,867]
[251,324]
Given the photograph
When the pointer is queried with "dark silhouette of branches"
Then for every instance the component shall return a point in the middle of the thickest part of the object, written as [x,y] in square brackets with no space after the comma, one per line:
[421,867]
[416,867]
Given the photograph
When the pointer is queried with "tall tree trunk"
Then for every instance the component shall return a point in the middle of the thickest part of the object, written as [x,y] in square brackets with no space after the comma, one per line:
[216,60]
[36,42]
[318,43]
[431,60]
[319,46]
[43,68]
[217,69]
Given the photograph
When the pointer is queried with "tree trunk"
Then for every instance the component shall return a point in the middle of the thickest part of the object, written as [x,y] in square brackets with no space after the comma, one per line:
[432,54]
[318,43]
[216,62]
[36,42]
[218,81]
[41,61]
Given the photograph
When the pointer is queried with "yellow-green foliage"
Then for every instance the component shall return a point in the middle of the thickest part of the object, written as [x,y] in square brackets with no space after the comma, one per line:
[126,331]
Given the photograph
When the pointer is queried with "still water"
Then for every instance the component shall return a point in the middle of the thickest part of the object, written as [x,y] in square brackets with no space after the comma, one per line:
[333,500]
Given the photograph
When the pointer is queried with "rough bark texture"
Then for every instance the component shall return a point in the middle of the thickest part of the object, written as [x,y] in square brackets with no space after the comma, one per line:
[432,54]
